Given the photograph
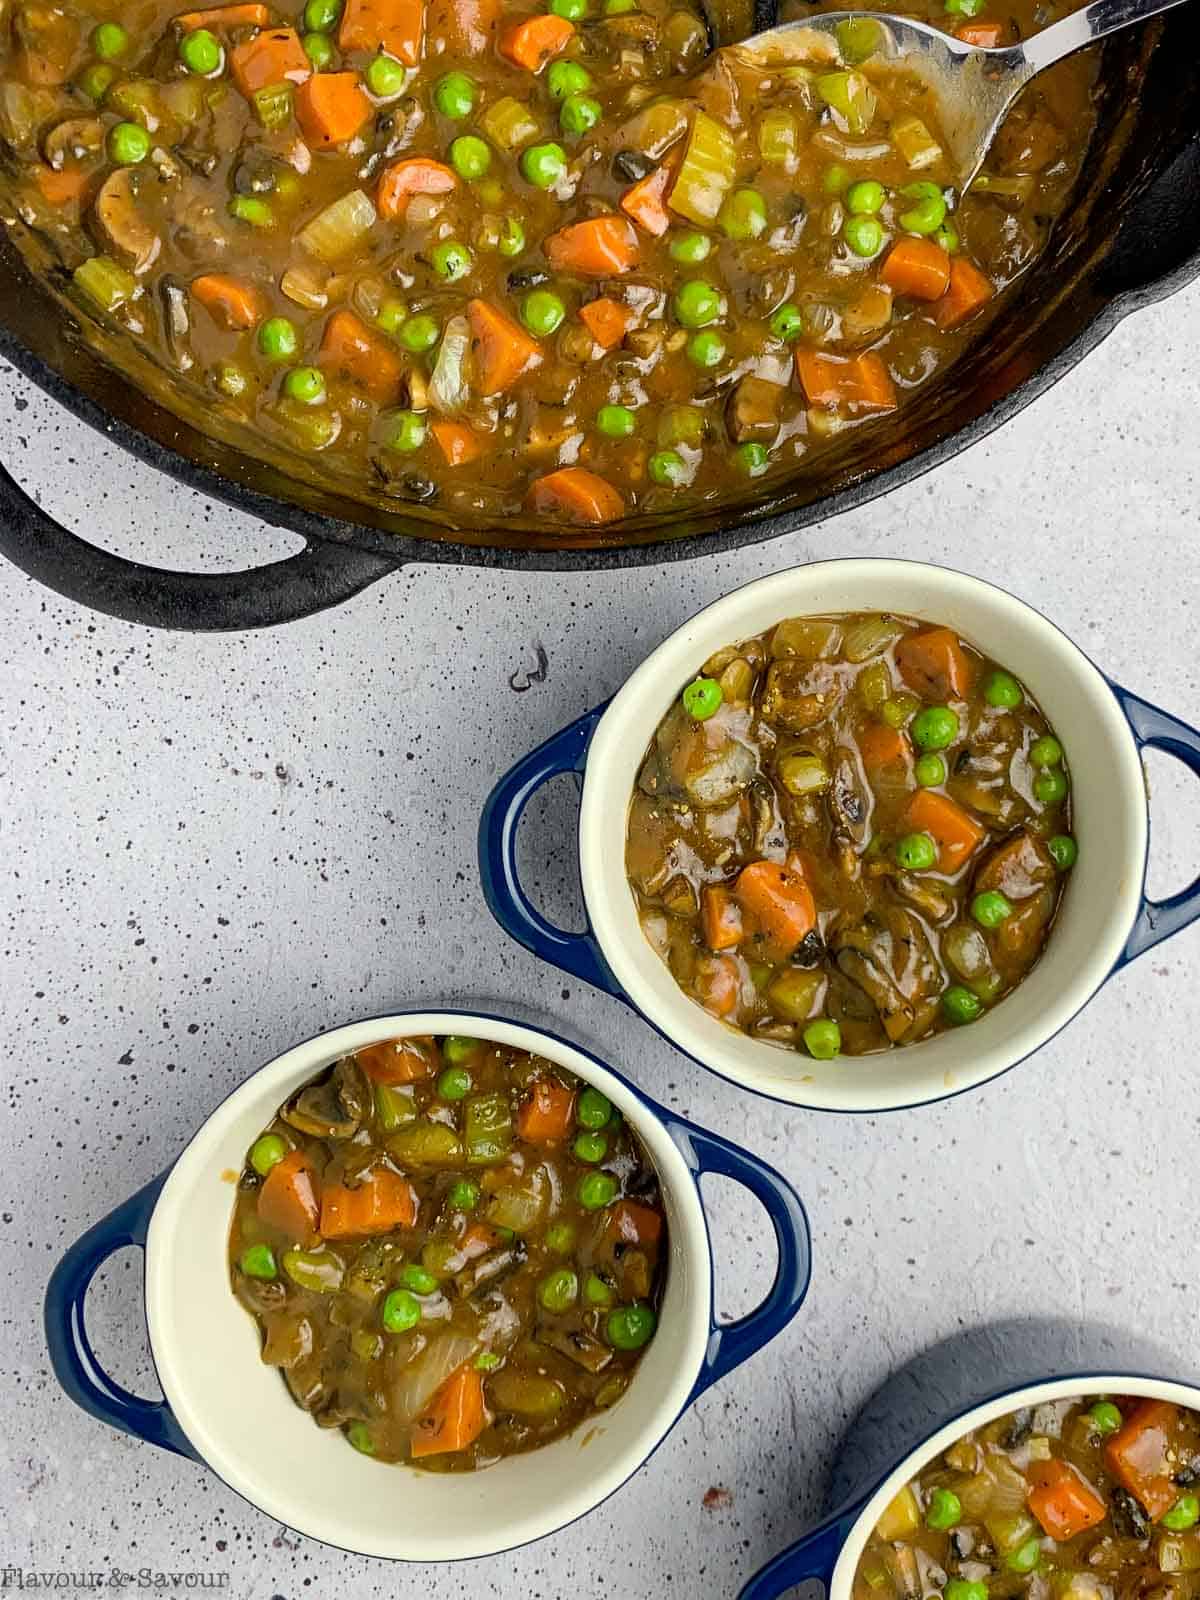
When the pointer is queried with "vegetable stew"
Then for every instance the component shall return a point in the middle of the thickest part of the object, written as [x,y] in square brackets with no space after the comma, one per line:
[849,833]
[546,267]
[454,1251]
[1084,1498]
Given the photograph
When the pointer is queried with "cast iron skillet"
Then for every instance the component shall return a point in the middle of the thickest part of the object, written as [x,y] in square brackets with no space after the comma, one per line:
[1130,237]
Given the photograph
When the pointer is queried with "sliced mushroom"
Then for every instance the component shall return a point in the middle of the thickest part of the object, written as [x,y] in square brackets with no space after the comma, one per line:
[120,220]
[888,956]
[578,1346]
[753,410]
[73,141]
[177,323]
[334,1108]
[1018,867]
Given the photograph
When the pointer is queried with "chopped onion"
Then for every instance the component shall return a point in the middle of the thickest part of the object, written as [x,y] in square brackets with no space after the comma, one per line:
[335,231]
[448,385]
[417,1383]
[302,285]
[521,1206]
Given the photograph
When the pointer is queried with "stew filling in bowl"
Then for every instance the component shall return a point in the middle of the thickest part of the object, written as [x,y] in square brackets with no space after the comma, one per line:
[521,265]
[850,832]
[452,1249]
[1093,1498]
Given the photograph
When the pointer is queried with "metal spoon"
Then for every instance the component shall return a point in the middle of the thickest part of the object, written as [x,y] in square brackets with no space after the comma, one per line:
[974,87]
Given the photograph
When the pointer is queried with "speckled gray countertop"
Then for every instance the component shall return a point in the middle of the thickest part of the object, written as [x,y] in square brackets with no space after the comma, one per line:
[213,847]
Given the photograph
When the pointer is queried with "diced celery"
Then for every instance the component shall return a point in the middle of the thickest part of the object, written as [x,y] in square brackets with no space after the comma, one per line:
[707,173]
[230,379]
[1010,1529]
[137,100]
[915,143]
[273,105]
[858,39]
[393,1106]
[1178,1552]
[792,993]
[851,96]
[872,1571]
[426,1144]
[314,427]
[809,638]
[508,123]
[802,774]
[105,283]
[487,1128]
[875,685]
[336,231]
[681,425]
[777,139]
[871,637]
[319,1271]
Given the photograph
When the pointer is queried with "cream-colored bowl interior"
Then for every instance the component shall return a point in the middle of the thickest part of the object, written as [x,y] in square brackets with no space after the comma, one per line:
[242,1421]
[1099,906]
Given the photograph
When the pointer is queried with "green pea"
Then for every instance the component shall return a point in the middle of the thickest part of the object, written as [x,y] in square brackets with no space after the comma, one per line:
[319,50]
[450,260]
[417,1278]
[590,1147]
[542,311]
[697,304]
[464,1195]
[322,16]
[201,52]
[752,458]
[565,78]
[1050,787]
[454,1083]
[401,1311]
[278,339]
[110,41]
[128,144]
[558,1290]
[512,238]
[578,113]
[571,10]
[1183,1514]
[1106,1417]
[690,248]
[943,1510]
[960,1005]
[385,76]
[630,1327]
[618,422]
[835,178]
[787,323]
[1046,751]
[487,1361]
[96,79]
[1025,1557]
[930,770]
[391,314]
[929,211]
[595,1291]
[934,728]
[991,908]
[1064,852]
[230,379]
[419,333]
[619,8]
[916,852]
[470,157]
[454,95]
[405,431]
[899,709]
[702,698]
[259,1262]
[306,384]
[865,198]
[858,39]
[823,1039]
[864,235]
[267,1151]
[457,1048]
[706,349]
[560,1238]
[965,8]
[597,1190]
[543,165]
[252,209]
[359,1436]
[1002,690]
[593,1110]
[965,1589]
[668,468]
[947,237]
[743,215]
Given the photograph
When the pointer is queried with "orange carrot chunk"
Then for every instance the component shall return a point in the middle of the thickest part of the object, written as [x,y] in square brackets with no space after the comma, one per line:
[968,293]
[288,1198]
[630,1222]
[62,188]
[861,383]
[646,202]
[352,351]
[273,56]
[601,247]
[536,40]
[606,320]
[1138,1456]
[416,175]
[1062,1501]
[985,35]
[463,27]
[457,442]
[955,833]
[718,985]
[383,1202]
[778,901]
[934,664]
[241,16]
[393,26]
[230,302]
[720,917]
[546,1115]
[917,268]
[455,1417]
[575,495]
[331,107]
[882,746]
[502,349]
[399,1060]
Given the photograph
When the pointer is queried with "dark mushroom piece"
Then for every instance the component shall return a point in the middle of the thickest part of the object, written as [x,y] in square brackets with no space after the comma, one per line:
[579,1346]
[176,322]
[752,411]
[120,220]
[334,1108]
[73,141]
[889,957]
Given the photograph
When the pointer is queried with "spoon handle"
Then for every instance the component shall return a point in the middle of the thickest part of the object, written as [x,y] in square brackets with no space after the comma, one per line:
[1084,27]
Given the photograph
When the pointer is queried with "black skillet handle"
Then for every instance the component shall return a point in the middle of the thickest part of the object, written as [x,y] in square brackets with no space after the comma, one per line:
[318,576]
[1157,249]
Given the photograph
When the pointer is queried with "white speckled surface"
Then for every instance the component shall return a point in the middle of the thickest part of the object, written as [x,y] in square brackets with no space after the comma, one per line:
[213,847]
